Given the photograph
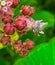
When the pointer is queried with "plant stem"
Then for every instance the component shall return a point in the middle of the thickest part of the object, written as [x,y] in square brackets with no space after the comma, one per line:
[10,51]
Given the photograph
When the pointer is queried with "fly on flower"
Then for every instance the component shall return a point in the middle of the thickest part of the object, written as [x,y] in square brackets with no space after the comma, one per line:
[37,27]
[12,29]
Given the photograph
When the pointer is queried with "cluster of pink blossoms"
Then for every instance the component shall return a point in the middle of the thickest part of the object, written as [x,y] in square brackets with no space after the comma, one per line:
[18,27]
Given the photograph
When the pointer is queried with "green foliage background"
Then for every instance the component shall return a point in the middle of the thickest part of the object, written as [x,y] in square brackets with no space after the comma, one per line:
[44,52]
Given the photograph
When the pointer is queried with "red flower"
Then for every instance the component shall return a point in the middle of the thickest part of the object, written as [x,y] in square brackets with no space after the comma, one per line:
[18,45]
[27,10]
[7,19]
[9,28]
[29,44]
[6,40]
[15,3]
[23,52]
[20,24]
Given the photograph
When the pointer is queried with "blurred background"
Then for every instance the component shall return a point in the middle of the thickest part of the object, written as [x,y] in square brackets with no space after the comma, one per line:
[44,51]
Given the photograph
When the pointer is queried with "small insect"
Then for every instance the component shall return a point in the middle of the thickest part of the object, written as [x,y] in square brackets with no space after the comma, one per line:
[37,27]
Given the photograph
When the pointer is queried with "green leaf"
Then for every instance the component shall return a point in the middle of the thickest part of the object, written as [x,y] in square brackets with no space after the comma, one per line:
[37,39]
[3,62]
[45,16]
[3,51]
[17,11]
[43,54]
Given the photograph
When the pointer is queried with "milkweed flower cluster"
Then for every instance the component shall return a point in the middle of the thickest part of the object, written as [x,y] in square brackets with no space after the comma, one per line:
[4,5]
[14,28]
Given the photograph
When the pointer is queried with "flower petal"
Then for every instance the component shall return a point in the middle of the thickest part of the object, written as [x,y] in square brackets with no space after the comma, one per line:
[1,14]
[43,24]
[10,12]
[9,3]
[5,9]
[41,32]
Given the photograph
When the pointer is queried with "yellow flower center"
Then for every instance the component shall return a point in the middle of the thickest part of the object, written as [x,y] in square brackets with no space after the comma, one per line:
[3,3]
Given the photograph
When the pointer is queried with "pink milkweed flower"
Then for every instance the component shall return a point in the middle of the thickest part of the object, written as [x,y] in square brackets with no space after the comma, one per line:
[28,21]
[5,7]
[0,0]
[37,27]
[5,3]
[9,3]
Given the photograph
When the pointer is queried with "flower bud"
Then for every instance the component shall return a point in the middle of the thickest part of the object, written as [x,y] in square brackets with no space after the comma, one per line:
[15,3]
[6,40]
[27,10]
[9,28]
[18,45]
[20,24]
[7,19]
[23,52]
[29,44]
